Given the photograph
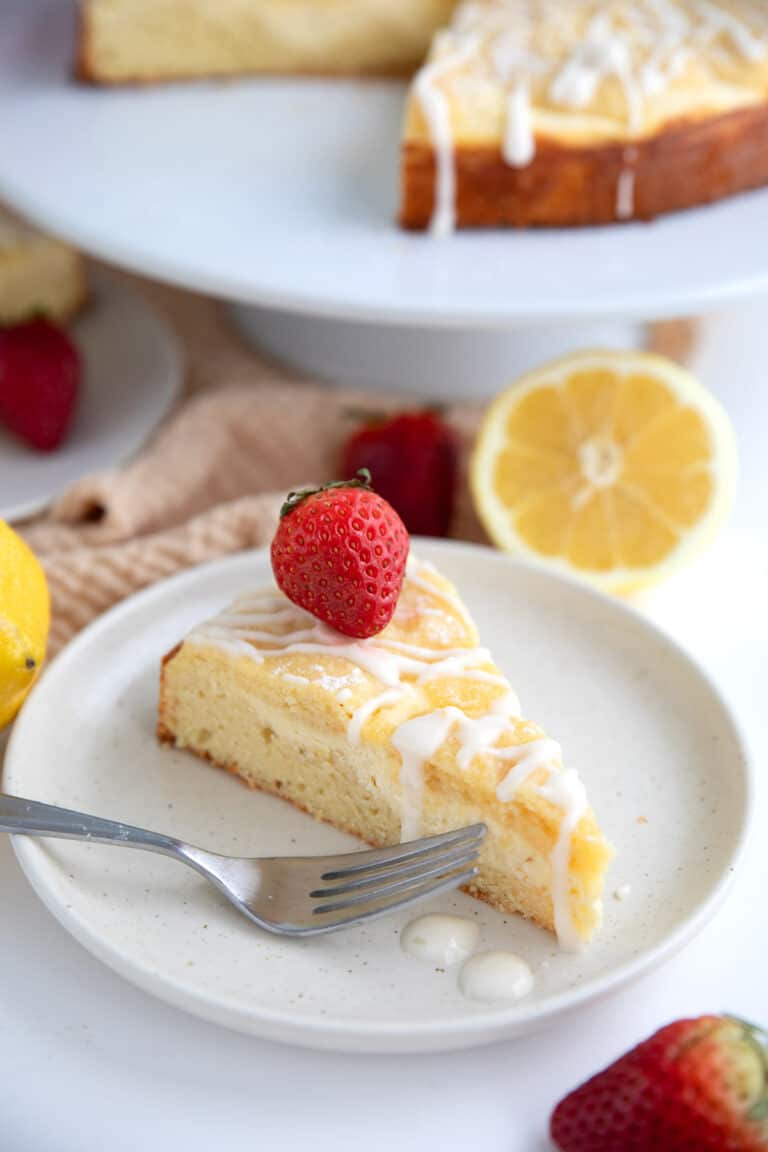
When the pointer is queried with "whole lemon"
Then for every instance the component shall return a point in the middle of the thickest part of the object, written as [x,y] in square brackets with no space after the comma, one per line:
[24,621]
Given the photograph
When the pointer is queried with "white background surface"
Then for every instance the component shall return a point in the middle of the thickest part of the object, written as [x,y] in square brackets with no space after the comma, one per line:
[289,196]
[82,1052]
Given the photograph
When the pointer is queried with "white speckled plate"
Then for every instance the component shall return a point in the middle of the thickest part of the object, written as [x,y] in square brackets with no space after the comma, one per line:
[659,752]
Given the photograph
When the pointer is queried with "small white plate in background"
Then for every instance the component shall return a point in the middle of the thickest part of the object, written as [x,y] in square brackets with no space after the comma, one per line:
[132,373]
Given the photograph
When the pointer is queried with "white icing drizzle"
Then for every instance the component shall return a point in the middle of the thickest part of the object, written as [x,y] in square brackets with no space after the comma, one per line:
[519,146]
[541,753]
[386,660]
[366,710]
[565,790]
[266,619]
[479,735]
[437,111]
[417,740]
[415,570]
[625,187]
[625,194]
[641,44]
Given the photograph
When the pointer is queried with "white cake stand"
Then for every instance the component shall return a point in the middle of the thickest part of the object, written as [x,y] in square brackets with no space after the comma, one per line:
[281,195]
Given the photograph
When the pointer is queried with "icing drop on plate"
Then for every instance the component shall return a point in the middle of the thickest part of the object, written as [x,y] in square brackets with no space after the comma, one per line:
[442,940]
[496,976]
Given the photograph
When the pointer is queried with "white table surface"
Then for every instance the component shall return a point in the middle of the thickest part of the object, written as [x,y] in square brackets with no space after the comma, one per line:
[89,1062]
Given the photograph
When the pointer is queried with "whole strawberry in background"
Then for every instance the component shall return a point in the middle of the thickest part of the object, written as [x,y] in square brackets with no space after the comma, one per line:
[698,1085]
[340,553]
[39,382]
[414,458]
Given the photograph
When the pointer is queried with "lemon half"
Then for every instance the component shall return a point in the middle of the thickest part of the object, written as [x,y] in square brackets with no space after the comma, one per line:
[615,466]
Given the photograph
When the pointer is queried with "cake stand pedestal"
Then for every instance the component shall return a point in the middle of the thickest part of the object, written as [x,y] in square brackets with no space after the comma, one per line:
[435,363]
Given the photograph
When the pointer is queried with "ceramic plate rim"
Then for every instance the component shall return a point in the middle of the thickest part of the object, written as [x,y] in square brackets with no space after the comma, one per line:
[350,1034]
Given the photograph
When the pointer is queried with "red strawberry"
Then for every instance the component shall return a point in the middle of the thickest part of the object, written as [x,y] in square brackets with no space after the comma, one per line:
[697,1085]
[340,553]
[414,457]
[39,380]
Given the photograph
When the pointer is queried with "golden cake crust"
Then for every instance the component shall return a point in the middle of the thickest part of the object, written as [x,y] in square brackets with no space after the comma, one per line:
[690,162]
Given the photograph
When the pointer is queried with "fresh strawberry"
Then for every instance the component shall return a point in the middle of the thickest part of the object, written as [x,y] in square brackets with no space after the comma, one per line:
[697,1085]
[414,457]
[39,380]
[340,553]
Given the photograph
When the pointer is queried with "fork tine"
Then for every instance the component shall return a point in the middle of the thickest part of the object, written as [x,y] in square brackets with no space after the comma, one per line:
[403,900]
[422,866]
[359,862]
[351,901]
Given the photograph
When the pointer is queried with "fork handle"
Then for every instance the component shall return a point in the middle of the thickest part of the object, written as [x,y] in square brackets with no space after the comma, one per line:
[32,818]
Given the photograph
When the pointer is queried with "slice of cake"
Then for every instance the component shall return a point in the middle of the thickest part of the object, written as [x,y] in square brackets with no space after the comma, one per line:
[123,41]
[38,275]
[544,112]
[411,732]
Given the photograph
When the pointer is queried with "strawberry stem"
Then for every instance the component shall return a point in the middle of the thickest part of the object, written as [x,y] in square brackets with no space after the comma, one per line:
[293,499]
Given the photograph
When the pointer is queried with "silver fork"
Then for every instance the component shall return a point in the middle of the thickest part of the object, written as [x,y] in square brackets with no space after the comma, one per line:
[287,895]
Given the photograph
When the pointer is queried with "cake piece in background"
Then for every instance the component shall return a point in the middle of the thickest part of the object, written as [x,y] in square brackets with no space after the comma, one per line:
[144,41]
[39,276]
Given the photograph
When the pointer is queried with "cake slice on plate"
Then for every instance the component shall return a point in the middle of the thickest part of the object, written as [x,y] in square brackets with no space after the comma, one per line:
[566,112]
[406,733]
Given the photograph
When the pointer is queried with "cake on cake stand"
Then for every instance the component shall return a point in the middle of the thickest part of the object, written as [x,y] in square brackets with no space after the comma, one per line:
[280,196]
